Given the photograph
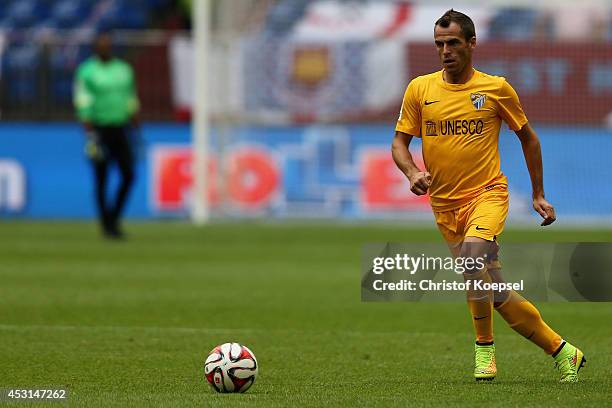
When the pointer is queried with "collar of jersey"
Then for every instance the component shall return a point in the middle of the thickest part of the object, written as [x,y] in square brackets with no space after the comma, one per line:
[456,87]
[99,60]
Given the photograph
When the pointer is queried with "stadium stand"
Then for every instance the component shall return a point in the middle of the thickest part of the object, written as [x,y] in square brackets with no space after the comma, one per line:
[51,38]
[20,72]
[68,14]
[37,68]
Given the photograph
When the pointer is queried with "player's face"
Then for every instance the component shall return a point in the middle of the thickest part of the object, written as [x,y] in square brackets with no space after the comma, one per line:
[454,50]
[103,47]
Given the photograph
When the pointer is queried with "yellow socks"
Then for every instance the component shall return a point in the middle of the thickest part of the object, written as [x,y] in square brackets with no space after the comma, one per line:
[480,304]
[525,319]
[521,315]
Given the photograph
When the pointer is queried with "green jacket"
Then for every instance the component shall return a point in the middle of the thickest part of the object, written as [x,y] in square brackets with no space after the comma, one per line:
[105,92]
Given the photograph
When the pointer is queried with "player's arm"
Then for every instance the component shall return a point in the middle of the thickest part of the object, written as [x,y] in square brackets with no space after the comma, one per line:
[533,157]
[133,103]
[409,124]
[419,180]
[83,97]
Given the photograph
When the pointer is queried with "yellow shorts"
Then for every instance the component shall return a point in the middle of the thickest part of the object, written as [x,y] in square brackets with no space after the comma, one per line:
[483,217]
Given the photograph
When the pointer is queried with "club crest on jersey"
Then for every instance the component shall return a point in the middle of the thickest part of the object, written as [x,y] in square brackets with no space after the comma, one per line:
[478,100]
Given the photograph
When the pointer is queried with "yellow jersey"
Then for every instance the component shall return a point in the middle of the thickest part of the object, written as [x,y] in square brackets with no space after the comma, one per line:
[459,126]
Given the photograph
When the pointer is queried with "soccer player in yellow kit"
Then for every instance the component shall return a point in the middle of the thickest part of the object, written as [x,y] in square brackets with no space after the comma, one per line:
[457,112]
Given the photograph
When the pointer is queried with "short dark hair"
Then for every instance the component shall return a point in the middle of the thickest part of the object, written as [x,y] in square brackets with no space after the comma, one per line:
[464,21]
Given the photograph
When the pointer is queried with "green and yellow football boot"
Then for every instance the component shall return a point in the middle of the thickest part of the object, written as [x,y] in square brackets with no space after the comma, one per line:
[485,368]
[569,360]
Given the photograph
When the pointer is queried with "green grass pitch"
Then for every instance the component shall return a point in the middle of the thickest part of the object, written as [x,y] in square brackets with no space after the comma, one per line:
[130,324]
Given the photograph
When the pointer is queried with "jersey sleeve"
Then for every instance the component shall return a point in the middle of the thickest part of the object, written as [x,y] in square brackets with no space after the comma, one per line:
[409,120]
[510,109]
[133,104]
[83,97]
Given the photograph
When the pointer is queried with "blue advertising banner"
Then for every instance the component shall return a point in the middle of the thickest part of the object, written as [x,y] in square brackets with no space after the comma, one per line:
[286,172]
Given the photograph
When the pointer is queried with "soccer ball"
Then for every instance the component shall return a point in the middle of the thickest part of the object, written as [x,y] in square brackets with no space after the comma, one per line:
[231,367]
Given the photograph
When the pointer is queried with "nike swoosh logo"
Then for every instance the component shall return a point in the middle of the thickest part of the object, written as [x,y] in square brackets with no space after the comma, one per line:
[430,102]
[481,229]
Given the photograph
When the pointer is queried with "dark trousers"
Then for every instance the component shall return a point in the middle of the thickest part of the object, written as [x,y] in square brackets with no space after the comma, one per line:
[117,149]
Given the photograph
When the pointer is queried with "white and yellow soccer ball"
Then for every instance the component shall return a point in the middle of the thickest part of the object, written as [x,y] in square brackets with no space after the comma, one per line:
[231,367]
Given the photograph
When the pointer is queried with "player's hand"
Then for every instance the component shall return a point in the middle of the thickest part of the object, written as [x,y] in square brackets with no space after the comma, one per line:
[545,209]
[94,151]
[420,182]
[93,148]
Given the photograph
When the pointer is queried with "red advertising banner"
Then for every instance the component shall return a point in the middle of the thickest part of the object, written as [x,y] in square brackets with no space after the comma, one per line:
[558,83]
[256,179]
[251,181]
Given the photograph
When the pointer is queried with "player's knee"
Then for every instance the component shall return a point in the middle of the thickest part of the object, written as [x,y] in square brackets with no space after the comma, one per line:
[473,259]
[486,252]
[472,269]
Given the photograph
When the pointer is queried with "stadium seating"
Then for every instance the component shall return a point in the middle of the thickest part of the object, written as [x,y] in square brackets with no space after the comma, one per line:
[20,67]
[126,14]
[67,14]
[21,61]
[24,14]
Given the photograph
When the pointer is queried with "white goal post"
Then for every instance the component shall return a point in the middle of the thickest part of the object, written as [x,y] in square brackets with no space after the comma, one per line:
[200,208]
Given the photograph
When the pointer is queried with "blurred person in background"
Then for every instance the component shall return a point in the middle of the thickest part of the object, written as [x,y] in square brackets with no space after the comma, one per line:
[107,105]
